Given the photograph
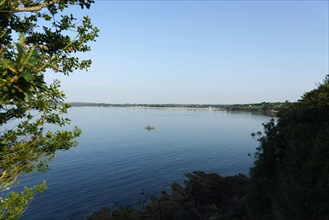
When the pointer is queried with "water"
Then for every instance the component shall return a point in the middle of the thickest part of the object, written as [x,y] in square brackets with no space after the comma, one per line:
[119,162]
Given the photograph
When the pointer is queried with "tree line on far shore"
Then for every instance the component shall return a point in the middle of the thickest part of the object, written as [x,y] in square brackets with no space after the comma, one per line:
[253,107]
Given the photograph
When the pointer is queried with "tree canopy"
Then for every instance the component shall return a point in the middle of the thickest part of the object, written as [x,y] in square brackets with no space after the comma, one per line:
[290,178]
[36,36]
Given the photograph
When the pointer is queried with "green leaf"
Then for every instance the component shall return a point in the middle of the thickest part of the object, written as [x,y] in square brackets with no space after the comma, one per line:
[7,63]
[46,17]
[27,76]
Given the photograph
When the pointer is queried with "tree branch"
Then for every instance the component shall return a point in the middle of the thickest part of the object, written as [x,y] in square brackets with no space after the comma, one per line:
[32,8]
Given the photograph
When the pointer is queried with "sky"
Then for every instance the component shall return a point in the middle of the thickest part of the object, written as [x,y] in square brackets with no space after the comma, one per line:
[202,52]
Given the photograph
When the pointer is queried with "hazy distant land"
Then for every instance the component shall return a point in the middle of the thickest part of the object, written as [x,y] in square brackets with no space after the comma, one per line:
[263,107]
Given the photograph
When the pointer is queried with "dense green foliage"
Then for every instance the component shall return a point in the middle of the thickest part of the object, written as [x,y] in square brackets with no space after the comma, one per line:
[49,39]
[290,179]
[14,205]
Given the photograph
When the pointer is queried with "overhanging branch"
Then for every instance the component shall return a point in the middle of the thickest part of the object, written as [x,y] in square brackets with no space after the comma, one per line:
[37,7]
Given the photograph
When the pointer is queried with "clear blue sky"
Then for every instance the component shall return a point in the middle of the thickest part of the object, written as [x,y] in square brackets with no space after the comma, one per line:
[216,52]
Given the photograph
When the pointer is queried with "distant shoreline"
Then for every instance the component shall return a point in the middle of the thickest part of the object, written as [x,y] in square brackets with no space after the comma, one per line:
[152,107]
[263,108]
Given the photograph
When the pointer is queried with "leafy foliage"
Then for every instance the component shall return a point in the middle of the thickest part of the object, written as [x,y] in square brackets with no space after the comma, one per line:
[49,39]
[14,205]
[290,179]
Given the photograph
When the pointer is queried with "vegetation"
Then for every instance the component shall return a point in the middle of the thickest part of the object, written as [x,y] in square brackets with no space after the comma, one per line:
[290,179]
[203,196]
[264,107]
[27,103]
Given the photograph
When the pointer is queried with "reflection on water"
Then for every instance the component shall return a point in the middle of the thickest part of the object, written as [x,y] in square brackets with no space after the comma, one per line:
[117,158]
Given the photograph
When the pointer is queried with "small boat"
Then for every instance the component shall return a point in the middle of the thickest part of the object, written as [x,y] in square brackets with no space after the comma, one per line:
[149,127]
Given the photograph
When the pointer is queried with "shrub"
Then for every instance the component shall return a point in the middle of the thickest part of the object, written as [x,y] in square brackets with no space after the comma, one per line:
[290,178]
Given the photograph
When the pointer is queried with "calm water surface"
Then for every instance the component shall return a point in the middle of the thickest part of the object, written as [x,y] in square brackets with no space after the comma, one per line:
[117,159]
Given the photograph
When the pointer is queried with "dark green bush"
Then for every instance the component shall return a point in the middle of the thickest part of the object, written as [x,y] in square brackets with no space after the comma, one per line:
[290,178]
